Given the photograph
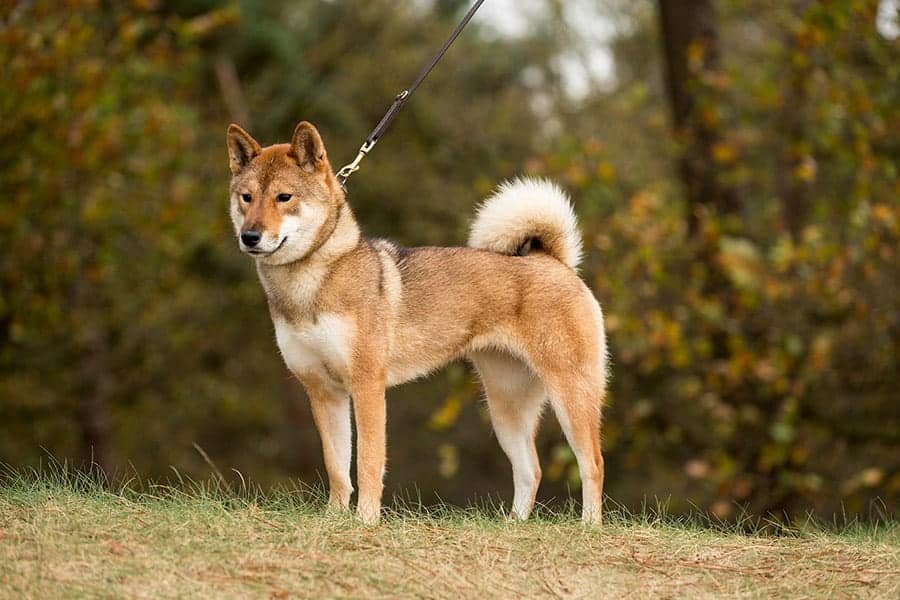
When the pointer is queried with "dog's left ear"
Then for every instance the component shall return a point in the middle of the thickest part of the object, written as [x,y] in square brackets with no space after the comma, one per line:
[242,148]
[307,147]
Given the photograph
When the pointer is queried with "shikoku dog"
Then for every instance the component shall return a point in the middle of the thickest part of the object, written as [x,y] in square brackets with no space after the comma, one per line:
[354,316]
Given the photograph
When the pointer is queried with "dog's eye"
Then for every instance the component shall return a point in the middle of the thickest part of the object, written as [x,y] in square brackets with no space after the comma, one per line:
[284,197]
[246,198]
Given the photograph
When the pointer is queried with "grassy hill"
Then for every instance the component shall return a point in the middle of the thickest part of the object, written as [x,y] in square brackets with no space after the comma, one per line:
[64,538]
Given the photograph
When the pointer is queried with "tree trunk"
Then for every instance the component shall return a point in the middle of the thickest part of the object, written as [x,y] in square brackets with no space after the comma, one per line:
[796,169]
[691,50]
[95,388]
[92,415]
[232,91]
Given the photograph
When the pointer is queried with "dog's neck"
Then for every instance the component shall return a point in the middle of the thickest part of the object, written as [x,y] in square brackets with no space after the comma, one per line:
[292,288]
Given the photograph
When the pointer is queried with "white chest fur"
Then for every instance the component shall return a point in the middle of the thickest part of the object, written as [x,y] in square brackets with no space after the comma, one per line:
[321,347]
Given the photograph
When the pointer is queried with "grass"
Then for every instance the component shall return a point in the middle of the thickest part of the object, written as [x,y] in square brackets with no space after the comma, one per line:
[63,535]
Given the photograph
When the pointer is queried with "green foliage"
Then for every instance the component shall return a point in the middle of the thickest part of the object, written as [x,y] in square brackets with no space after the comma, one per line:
[753,364]
[119,255]
[127,318]
[753,367]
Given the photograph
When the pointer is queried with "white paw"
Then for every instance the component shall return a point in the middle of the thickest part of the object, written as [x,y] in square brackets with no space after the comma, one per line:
[369,513]
[592,517]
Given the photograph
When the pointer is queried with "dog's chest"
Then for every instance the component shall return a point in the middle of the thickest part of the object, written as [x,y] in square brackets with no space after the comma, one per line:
[320,347]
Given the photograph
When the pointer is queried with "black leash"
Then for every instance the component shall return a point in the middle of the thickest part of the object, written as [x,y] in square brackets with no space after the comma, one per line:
[401,98]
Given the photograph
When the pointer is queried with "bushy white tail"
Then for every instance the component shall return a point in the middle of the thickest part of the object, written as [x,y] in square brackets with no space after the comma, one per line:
[526,209]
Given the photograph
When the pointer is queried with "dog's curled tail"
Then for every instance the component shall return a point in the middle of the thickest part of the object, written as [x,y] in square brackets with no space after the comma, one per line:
[528,213]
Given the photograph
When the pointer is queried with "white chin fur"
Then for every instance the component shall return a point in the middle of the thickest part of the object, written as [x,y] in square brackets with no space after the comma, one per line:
[301,234]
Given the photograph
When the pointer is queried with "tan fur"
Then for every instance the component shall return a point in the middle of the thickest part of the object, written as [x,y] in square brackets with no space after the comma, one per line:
[354,316]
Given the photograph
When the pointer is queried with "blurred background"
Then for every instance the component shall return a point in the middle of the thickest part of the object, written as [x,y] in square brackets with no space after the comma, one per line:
[734,165]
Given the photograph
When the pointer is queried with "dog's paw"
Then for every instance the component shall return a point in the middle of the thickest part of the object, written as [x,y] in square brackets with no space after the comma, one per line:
[514,517]
[368,513]
[592,518]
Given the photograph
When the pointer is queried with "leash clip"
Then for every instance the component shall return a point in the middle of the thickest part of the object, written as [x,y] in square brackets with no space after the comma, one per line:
[351,168]
[385,122]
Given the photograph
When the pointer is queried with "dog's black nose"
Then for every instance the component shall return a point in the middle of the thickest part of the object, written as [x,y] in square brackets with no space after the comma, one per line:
[250,238]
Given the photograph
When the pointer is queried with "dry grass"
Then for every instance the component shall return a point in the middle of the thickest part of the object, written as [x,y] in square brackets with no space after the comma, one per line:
[63,539]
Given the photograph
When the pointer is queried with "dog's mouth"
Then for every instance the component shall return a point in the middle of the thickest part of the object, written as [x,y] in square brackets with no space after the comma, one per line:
[258,252]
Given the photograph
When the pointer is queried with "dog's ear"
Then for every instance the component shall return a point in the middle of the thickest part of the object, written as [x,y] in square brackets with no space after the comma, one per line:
[242,148]
[307,147]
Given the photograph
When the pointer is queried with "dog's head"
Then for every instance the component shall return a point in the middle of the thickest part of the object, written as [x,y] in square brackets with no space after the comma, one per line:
[283,197]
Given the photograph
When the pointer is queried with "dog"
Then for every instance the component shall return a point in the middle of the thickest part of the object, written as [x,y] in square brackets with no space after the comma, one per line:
[354,316]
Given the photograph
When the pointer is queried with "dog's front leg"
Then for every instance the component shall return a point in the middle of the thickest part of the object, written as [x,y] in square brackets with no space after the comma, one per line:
[331,412]
[370,411]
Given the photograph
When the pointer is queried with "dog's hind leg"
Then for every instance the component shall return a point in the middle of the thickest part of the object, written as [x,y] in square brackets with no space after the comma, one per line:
[577,401]
[515,398]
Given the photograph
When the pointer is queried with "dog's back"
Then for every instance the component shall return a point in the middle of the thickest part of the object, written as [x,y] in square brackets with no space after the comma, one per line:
[515,283]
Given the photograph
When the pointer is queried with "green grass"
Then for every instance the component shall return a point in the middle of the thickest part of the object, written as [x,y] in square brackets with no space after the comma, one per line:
[63,535]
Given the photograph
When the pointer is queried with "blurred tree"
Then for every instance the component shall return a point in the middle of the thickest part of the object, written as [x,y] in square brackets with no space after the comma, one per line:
[773,386]
[124,307]
[762,374]
[795,174]
[691,46]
